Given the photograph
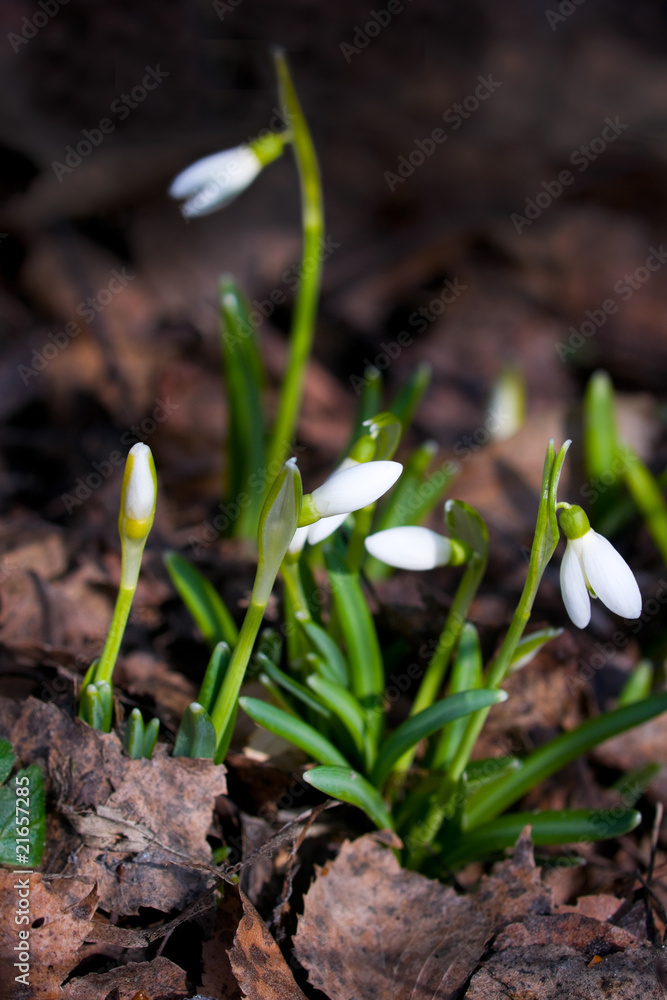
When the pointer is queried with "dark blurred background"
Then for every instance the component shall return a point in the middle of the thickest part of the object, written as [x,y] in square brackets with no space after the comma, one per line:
[375,82]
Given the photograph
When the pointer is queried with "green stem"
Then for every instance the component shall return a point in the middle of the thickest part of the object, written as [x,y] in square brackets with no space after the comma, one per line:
[289,570]
[121,612]
[544,545]
[305,306]
[227,698]
[363,520]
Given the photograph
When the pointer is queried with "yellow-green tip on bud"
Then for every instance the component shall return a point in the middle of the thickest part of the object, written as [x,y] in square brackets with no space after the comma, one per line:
[137,509]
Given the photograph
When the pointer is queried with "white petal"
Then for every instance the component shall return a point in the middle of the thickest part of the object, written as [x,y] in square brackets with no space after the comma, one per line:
[211,182]
[354,488]
[410,547]
[298,542]
[573,587]
[326,526]
[139,499]
[610,576]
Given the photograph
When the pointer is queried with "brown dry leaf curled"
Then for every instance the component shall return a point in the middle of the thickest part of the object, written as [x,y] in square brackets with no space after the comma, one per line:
[157,979]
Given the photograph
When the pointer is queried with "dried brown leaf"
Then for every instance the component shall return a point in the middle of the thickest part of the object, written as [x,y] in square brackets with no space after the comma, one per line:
[372,930]
[56,930]
[257,963]
[137,828]
[158,980]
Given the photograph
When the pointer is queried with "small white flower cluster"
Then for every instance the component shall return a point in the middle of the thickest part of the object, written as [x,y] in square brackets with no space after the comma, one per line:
[591,566]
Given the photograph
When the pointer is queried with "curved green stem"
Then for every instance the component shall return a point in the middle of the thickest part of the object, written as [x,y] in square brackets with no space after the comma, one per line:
[305,306]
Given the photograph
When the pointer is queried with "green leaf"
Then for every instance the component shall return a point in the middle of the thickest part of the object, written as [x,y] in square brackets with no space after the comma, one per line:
[196,733]
[427,722]
[648,497]
[466,676]
[297,690]
[328,651]
[552,757]
[411,393]
[346,707]
[361,643]
[133,737]
[486,770]
[23,819]
[7,760]
[386,429]
[468,526]
[370,401]
[214,676]
[566,826]
[294,730]
[348,786]
[202,601]
[151,731]
[638,684]
[244,378]
[600,437]
[529,646]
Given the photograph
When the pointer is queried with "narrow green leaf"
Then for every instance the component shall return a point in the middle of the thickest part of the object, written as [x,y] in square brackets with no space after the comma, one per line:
[361,643]
[600,436]
[466,676]
[411,393]
[297,690]
[542,763]
[529,646]
[133,737]
[345,706]
[386,429]
[214,676]
[151,732]
[293,730]
[23,819]
[348,786]
[202,601]
[370,401]
[427,722]
[244,378]
[485,770]
[646,492]
[566,826]
[329,652]
[196,733]
[638,684]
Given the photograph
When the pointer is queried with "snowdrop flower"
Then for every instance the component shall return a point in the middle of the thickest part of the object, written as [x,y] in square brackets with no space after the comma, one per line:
[415,548]
[349,489]
[592,567]
[137,510]
[216,180]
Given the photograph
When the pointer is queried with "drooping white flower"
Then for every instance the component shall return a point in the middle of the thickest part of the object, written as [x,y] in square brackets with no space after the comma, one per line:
[215,180]
[351,489]
[592,567]
[410,548]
